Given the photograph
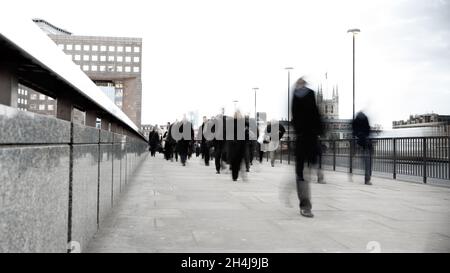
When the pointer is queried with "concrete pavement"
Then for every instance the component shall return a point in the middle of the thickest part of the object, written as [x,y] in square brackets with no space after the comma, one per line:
[170,208]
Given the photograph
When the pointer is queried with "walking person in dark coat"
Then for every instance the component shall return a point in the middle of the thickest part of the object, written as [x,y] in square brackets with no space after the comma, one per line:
[361,130]
[237,146]
[168,143]
[219,130]
[205,144]
[183,145]
[153,140]
[308,126]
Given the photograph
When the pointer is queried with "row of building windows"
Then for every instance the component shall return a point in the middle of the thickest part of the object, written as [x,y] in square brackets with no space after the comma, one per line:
[22,91]
[103,58]
[103,48]
[42,107]
[110,68]
[22,109]
[22,101]
[34,96]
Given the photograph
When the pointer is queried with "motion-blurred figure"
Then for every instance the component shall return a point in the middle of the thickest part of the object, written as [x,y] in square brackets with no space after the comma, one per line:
[361,130]
[308,126]
[237,146]
[169,143]
[205,144]
[184,144]
[219,142]
[153,140]
[271,145]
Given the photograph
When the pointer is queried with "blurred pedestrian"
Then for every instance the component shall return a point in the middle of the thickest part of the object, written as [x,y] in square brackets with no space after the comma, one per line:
[153,140]
[361,131]
[308,126]
[237,145]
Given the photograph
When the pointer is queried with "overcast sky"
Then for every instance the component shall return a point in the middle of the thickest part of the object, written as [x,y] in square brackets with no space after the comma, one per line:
[203,54]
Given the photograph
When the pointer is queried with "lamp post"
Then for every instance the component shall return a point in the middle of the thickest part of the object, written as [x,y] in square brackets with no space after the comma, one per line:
[289,113]
[255,89]
[354,31]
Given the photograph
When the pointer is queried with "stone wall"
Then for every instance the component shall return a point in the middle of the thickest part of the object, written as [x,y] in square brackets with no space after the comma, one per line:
[58,180]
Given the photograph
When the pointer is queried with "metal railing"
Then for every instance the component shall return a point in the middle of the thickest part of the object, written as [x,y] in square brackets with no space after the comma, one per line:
[424,157]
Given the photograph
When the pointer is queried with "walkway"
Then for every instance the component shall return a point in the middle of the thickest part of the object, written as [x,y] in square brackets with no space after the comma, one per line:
[170,208]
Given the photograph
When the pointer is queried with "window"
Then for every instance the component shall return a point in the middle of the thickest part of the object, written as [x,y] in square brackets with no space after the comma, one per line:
[110,68]
[136,59]
[86,47]
[111,48]
[119,68]
[110,58]
[26,92]
[102,58]
[94,48]
[85,57]
[41,97]
[41,106]
[69,47]
[50,107]
[33,96]
[102,68]
[120,49]
[119,58]
[102,48]
[86,67]
[93,68]
[77,47]
[50,98]
[127,69]
[137,49]
[128,49]
[128,59]
[94,58]
[136,69]
[77,57]
[26,102]
[18,101]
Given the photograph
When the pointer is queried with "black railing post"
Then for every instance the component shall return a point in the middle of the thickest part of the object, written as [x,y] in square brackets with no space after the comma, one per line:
[424,149]
[351,156]
[334,155]
[448,158]
[281,152]
[289,149]
[320,154]
[394,147]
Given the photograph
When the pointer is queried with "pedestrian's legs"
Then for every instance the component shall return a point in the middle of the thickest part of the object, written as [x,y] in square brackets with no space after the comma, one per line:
[247,149]
[272,158]
[304,194]
[206,155]
[217,157]
[367,165]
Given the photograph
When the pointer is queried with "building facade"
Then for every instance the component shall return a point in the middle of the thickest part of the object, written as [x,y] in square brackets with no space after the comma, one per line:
[424,120]
[112,63]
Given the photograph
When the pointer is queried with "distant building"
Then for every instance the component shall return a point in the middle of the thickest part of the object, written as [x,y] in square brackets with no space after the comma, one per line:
[328,108]
[424,120]
[112,63]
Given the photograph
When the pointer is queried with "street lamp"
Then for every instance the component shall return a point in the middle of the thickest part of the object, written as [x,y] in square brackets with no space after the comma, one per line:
[255,89]
[354,31]
[289,112]
[235,103]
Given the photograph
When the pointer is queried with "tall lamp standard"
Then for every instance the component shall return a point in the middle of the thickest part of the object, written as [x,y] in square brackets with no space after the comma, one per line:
[289,113]
[354,31]
[256,118]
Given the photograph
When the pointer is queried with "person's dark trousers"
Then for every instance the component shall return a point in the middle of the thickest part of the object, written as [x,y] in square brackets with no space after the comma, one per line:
[247,159]
[251,151]
[237,152]
[367,157]
[261,155]
[305,151]
[218,155]
[205,153]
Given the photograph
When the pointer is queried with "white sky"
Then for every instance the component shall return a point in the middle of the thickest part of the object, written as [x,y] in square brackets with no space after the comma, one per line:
[203,54]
